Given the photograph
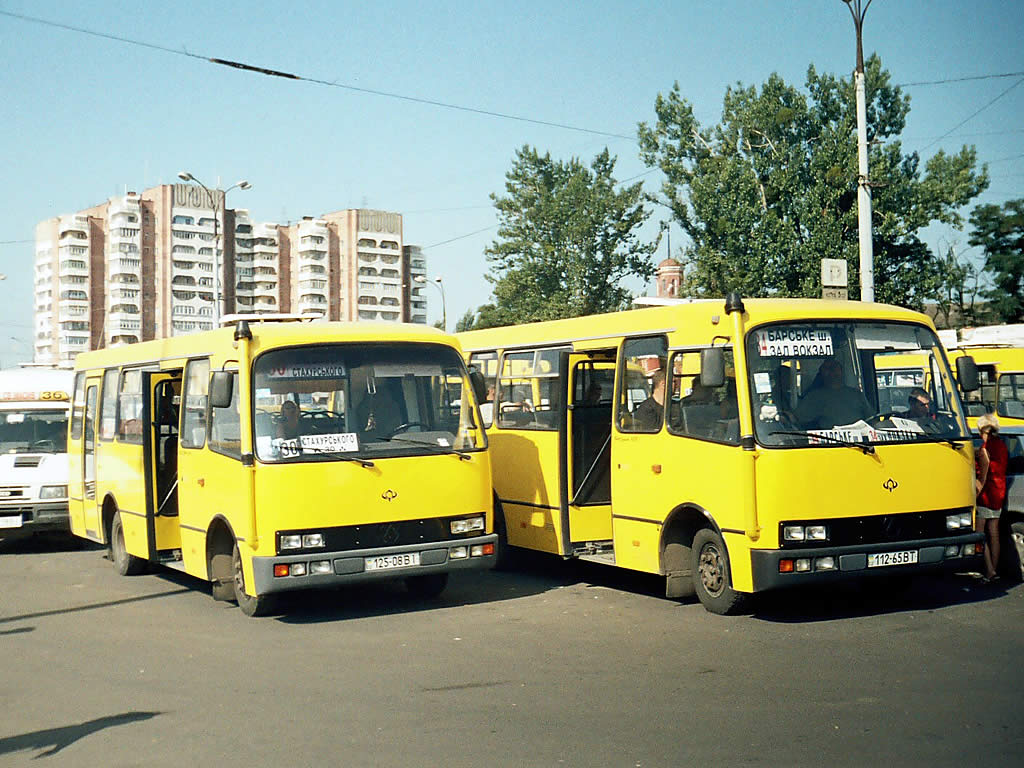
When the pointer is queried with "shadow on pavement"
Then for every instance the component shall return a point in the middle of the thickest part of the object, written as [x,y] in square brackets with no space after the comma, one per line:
[59,738]
[875,597]
[41,543]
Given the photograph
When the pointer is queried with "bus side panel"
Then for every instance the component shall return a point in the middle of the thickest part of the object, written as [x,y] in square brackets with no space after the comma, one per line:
[526,471]
[652,475]
[119,472]
[210,484]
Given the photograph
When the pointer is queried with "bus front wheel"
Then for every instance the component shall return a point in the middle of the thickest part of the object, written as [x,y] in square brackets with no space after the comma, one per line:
[125,563]
[251,605]
[711,576]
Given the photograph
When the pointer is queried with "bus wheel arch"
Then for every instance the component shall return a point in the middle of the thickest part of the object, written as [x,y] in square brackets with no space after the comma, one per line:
[220,542]
[125,563]
[676,549]
[107,512]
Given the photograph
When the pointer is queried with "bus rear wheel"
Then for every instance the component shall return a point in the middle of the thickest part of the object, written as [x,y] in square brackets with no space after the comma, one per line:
[711,575]
[251,605]
[125,563]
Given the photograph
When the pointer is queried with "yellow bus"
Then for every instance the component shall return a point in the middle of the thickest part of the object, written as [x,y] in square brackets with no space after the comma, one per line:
[1001,373]
[275,456]
[731,448]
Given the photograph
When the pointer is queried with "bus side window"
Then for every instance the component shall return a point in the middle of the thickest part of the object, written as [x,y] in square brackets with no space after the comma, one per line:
[129,408]
[197,382]
[642,387]
[108,405]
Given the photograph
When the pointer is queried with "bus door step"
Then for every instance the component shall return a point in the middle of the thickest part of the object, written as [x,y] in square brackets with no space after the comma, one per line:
[171,558]
[596,552]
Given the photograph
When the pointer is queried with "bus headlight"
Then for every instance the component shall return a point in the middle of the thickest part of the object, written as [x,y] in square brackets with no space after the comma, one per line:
[467,525]
[817,533]
[291,542]
[793,533]
[53,492]
[312,540]
[957,521]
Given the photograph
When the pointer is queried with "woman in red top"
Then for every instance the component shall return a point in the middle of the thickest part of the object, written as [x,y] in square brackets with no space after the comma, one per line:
[991,484]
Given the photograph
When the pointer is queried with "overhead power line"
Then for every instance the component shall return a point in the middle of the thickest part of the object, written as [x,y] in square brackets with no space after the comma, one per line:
[974,114]
[318,81]
[960,79]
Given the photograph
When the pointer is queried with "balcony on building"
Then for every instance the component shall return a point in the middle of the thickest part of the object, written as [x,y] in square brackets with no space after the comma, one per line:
[74,268]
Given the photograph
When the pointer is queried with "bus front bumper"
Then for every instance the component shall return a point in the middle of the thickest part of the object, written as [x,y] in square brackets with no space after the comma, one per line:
[826,564]
[351,567]
[32,518]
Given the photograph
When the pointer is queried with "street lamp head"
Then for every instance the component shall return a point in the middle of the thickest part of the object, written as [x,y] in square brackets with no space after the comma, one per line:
[185,176]
[437,279]
[244,185]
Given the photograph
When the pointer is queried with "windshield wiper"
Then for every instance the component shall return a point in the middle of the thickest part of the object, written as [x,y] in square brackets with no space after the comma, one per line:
[866,447]
[337,455]
[439,449]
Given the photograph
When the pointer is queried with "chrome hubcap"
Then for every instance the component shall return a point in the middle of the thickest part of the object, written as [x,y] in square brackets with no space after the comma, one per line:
[712,570]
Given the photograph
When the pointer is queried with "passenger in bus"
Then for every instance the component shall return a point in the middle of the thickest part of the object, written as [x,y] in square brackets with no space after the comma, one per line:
[830,403]
[647,415]
[920,403]
[288,421]
[487,406]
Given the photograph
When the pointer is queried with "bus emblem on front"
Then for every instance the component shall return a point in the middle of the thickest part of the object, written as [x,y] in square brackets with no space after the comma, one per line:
[389,495]
[890,485]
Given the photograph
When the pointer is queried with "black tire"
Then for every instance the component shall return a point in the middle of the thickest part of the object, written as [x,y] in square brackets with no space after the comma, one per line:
[506,553]
[1012,555]
[251,605]
[712,579]
[126,564]
[427,585]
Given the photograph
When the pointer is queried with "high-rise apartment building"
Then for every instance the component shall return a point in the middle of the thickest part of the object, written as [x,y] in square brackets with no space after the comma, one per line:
[140,267]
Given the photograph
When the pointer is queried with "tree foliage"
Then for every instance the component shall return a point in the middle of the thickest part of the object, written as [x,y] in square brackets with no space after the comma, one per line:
[771,190]
[1000,233]
[566,239]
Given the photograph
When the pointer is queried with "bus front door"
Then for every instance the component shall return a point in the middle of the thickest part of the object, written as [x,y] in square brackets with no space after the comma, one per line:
[90,510]
[161,464]
[588,451]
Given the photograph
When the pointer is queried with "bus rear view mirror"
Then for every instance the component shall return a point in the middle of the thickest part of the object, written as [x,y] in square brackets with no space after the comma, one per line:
[712,367]
[967,374]
[222,385]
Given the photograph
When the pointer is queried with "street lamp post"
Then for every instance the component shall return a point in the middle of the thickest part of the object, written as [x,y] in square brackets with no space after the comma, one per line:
[440,286]
[186,176]
[858,9]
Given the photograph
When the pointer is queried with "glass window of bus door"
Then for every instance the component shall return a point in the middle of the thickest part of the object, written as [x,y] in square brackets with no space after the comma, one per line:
[487,364]
[108,406]
[89,444]
[528,396]
[129,407]
[592,401]
[194,398]
[1011,395]
[707,413]
[78,407]
[643,365]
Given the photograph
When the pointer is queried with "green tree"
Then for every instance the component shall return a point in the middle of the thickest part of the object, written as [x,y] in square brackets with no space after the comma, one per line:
[566,239]
[466,322]
[772,189]
[1000,232]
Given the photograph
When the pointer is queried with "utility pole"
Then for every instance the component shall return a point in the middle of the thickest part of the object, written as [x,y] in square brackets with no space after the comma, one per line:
[858,9]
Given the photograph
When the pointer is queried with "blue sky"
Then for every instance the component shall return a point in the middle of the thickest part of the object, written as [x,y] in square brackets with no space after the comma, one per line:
[83,118]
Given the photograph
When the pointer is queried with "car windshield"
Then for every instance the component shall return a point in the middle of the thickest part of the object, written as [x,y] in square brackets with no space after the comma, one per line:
[837,383]
[357,401]
[33,431]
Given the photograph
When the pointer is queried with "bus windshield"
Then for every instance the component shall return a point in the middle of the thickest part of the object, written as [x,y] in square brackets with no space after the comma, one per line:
[839,383]
[33,431]
[359,401]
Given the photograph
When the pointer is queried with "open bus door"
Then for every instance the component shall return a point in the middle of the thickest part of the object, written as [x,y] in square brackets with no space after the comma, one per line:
[586,453]
[160,449]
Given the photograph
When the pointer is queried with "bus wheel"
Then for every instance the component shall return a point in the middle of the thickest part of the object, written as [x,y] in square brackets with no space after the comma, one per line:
[251,605]
[711,574]
[126,564]
[428,585]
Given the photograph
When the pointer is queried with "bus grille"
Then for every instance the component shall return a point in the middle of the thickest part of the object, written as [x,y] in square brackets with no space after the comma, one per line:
[876,529]
[375,535]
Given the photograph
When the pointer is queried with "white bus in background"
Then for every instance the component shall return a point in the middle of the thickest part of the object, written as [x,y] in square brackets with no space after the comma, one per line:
[35,403]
